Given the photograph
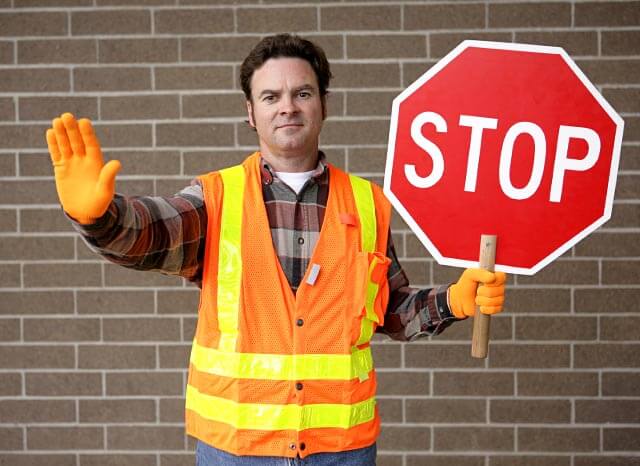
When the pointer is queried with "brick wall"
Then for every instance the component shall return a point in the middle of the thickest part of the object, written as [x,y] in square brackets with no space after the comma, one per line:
[93,357]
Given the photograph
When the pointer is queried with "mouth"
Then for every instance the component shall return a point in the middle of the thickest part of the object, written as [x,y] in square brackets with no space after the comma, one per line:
[290,125]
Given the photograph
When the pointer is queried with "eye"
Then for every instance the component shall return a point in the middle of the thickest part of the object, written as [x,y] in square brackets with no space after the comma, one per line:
[269,98]
[304,94]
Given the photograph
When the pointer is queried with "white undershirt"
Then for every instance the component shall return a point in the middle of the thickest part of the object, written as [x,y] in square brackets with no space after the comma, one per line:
[295,180]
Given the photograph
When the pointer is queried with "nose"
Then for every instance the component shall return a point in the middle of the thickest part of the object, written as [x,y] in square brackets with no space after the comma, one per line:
[288,105]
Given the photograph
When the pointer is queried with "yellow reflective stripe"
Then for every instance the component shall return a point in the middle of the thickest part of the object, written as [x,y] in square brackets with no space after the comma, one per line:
[281,366]
[260,416]
[366,211]
[230,256]
[366,326]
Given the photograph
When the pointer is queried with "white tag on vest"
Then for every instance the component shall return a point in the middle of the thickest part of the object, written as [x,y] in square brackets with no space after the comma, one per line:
[313,274]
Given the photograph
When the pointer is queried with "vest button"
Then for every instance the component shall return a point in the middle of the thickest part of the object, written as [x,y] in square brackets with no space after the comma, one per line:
[300,322]
[301,240]
[292,446]
[299,386]
[302,446]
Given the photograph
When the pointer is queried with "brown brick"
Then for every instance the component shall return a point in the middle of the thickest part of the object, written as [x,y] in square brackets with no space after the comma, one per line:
[390,409]
[608,411]
[339,18]
[403,383]
[550,439]
[566,272]
[49,107]
[355,132]
[27,192]
[387,355]
[446,16]
[623,100]
[607,460]
[440,356]
[71,329]
[547,300]
[110,22]
[155,383]
[530,460]
[172,409]
[61,275]
[612,299]
[7,164]
[443,410]
[117,411]
[557,383]
[178,301]
[139,107]
[359,75]
[57,51]
[362,103]
[32,357]
[625,215]
[168,187]
[418,272]
[275,19]
[387,46]
[443,460]
[403,438]
[37,411]
[50,3]
[622,71]
[607,355]
[149,162]
[145,438]
[22,459]
[10,384]
[529,15]
[333,46]
[621,439]
[441,43]
[630,158]
[137,2]
[8,220]
[151,329]
[9,276]
[9,330]
[35,302]
[473,438]
[191,21]
[120,276]
[116,357]
[619,328]
[627,187]
[34,80]
[632,129]
[137,50]
[11,439]
[117,460]
[189,329]
[412,71]
[575,43]
[620,42]
[213,105]
[528,356]
[607,14]
[620,272]
[620,383]
[194,134]
[6,52]
[563,328]
[175,356]
[42,23]
[217,49]
[7,109]
[472,383]
[194,77]
[108,302]
[44,220]
[111,79]
[530,411]
[124,135]
[22,136]
[36,248]
[65,438]
[63,384]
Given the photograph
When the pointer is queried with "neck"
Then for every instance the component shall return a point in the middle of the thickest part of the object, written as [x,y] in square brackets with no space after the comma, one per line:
[291,163]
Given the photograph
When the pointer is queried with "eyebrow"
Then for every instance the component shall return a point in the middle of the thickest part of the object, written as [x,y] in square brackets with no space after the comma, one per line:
[305,87]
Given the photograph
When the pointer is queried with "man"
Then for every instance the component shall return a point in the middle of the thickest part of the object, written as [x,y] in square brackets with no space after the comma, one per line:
[296,266]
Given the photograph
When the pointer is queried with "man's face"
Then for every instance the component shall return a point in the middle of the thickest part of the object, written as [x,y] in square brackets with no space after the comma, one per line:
[285,107]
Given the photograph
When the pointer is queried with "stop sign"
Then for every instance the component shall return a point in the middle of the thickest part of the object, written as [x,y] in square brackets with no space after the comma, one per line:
[504,139]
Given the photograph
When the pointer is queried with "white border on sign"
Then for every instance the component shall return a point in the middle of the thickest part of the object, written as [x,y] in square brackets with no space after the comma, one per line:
[615,161]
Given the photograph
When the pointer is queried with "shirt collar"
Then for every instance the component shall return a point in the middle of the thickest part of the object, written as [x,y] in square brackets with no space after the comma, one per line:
[319,172]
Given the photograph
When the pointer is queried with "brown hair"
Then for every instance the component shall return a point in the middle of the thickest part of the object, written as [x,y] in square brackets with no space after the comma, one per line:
[285,45]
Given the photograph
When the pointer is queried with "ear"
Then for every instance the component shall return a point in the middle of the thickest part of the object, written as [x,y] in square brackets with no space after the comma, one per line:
[252,123]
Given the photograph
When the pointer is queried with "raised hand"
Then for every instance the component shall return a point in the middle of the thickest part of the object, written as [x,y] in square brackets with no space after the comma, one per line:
[84,183]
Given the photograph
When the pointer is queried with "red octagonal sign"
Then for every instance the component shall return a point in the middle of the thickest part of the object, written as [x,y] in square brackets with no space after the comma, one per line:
[503,139]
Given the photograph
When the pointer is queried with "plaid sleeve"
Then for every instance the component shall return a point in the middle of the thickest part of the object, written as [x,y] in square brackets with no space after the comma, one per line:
[163,234]
[413,313]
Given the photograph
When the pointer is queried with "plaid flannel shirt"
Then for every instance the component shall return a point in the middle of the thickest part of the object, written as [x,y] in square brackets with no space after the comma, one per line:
[167,234]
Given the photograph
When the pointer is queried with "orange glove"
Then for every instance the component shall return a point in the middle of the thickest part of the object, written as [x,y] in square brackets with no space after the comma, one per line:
[84,183]
[466,294]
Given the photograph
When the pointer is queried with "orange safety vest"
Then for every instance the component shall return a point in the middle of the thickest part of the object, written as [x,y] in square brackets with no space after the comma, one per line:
[273,373]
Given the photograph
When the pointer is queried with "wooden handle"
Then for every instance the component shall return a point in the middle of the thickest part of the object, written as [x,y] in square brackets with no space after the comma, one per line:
[482,322]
